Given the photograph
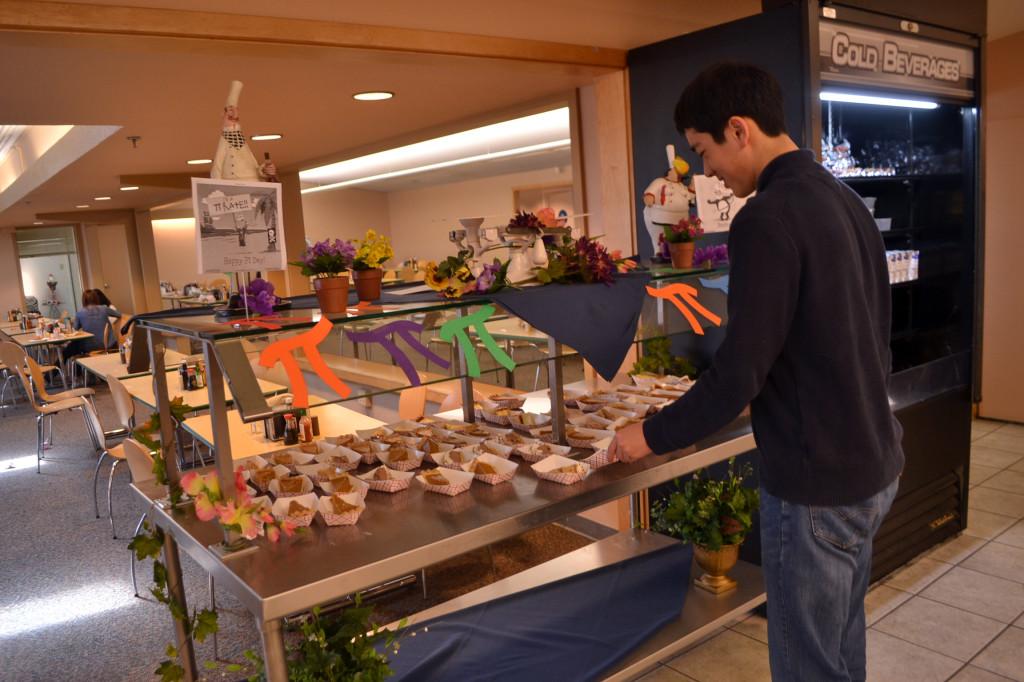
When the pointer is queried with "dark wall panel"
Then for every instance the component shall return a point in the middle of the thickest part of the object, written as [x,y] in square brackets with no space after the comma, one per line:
[659,72]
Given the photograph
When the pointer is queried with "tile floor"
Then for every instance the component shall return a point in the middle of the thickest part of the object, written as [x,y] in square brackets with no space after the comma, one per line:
[956,613]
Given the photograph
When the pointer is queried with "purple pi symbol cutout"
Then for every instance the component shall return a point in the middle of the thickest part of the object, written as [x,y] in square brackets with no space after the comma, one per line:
[408,330]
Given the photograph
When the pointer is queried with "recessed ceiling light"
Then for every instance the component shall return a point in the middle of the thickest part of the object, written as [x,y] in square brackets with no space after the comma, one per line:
[129,188]
[82,206]
[38,222]
[375,96]
[101,198]
[199,162]
[266,137]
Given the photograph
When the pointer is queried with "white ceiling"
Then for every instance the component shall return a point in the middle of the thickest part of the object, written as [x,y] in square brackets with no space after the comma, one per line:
[1005,17]
[170,91]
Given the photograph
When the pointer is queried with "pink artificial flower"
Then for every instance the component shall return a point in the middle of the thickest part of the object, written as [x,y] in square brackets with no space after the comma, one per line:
[240,482]
[273,532]
[249,525]
[227,513]
[192,483]
[206,510]
[288,527]
[212,485]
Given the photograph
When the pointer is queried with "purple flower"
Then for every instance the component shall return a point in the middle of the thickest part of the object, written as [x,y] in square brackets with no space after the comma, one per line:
[714,256]
[259,296]
[485,280]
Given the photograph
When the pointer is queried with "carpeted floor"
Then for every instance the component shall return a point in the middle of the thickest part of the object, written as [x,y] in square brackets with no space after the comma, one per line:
[67,611]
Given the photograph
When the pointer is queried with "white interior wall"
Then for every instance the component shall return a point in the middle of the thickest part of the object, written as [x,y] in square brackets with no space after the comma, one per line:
[422,218]
[345,213]
[176,259]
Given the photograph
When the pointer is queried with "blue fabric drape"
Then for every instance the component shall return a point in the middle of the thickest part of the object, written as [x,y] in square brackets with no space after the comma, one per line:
[570,630]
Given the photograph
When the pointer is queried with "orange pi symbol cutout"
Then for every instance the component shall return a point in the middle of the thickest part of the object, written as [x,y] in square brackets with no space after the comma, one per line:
[680,294]
[283,351]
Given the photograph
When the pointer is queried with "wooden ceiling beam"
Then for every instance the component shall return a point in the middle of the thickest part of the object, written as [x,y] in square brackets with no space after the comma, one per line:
[167,180]
[100,216]
[32,15]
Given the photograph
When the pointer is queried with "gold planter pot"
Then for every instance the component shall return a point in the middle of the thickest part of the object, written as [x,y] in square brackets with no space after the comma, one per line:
[716,564]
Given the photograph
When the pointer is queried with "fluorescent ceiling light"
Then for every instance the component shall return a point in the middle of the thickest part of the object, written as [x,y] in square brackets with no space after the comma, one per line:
[374,96]
[101,198]
[830,96]
[443,164]
[266,137]
[129,188]
[82,206]
[38,222]
[534,133]
[199,162]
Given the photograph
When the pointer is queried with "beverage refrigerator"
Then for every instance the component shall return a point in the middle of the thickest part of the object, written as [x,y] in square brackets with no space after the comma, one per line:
[892,105]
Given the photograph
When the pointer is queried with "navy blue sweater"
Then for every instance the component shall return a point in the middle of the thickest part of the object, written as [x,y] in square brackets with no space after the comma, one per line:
[807,343]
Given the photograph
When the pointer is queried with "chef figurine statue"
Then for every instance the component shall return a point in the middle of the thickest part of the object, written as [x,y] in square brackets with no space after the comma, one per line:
[234,160]
[667,200]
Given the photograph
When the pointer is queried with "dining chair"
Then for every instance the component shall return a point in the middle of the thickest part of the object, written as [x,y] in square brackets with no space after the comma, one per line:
[13,355]
[123,404]
[109,449]
[140,465]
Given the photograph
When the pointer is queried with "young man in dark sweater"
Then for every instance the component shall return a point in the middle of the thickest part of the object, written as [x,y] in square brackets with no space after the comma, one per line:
[807,346]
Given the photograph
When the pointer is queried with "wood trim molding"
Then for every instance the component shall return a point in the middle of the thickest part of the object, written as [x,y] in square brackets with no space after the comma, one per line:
[181,181]
[33,15]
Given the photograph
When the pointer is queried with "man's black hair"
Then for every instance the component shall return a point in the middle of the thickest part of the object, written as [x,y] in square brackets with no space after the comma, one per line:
[731,89]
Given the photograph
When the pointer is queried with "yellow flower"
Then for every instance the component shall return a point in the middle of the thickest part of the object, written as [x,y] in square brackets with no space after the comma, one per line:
[374,250]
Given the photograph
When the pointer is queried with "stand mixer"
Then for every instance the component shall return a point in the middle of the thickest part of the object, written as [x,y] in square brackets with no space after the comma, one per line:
[525,244]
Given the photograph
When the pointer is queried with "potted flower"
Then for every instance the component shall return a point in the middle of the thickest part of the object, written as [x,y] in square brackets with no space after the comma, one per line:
[680,238]
[374,250]
[714,515]
[329,263]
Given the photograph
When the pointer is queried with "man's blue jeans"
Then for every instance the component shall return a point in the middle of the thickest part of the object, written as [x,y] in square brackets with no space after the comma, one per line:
[817,563]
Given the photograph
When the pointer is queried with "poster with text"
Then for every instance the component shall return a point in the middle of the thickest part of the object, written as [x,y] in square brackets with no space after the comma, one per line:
[239,225]
[716,204]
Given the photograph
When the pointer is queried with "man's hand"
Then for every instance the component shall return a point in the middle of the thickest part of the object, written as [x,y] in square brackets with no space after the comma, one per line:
[629,444]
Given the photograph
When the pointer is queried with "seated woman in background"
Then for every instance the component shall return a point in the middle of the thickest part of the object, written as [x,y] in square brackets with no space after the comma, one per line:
[95,317]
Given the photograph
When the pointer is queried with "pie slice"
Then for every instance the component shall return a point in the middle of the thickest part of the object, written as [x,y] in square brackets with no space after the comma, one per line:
[342,484]
[340,506]
[291,484]
[297,509]
[435,477]
[483,468]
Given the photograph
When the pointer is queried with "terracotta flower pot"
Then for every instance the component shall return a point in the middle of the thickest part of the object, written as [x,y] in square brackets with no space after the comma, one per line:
[716,564]
[682,254]
[368,283]
[332,293]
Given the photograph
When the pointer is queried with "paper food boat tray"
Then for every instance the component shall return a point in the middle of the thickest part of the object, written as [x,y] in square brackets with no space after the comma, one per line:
[458,482]
[545,469]
[506,469]
[280,508]
[399,480]
[348,518]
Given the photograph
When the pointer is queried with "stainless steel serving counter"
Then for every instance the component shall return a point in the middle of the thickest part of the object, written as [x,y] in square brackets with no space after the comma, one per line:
[403,532]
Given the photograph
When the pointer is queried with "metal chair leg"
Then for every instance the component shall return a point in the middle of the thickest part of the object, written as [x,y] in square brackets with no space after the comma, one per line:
[110,502]
[131,555]
[39,442]
[213,607]
[95,477]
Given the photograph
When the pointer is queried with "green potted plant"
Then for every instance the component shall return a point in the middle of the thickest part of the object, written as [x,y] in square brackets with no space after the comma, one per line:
[715,515]
[657,359]
[329,263]
[374,250]
[681,239]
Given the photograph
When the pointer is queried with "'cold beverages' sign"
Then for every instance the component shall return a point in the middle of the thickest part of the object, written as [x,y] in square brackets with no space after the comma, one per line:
[856,56]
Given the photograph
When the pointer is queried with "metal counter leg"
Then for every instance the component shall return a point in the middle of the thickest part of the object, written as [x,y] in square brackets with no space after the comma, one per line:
[176,591]
[272,638]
